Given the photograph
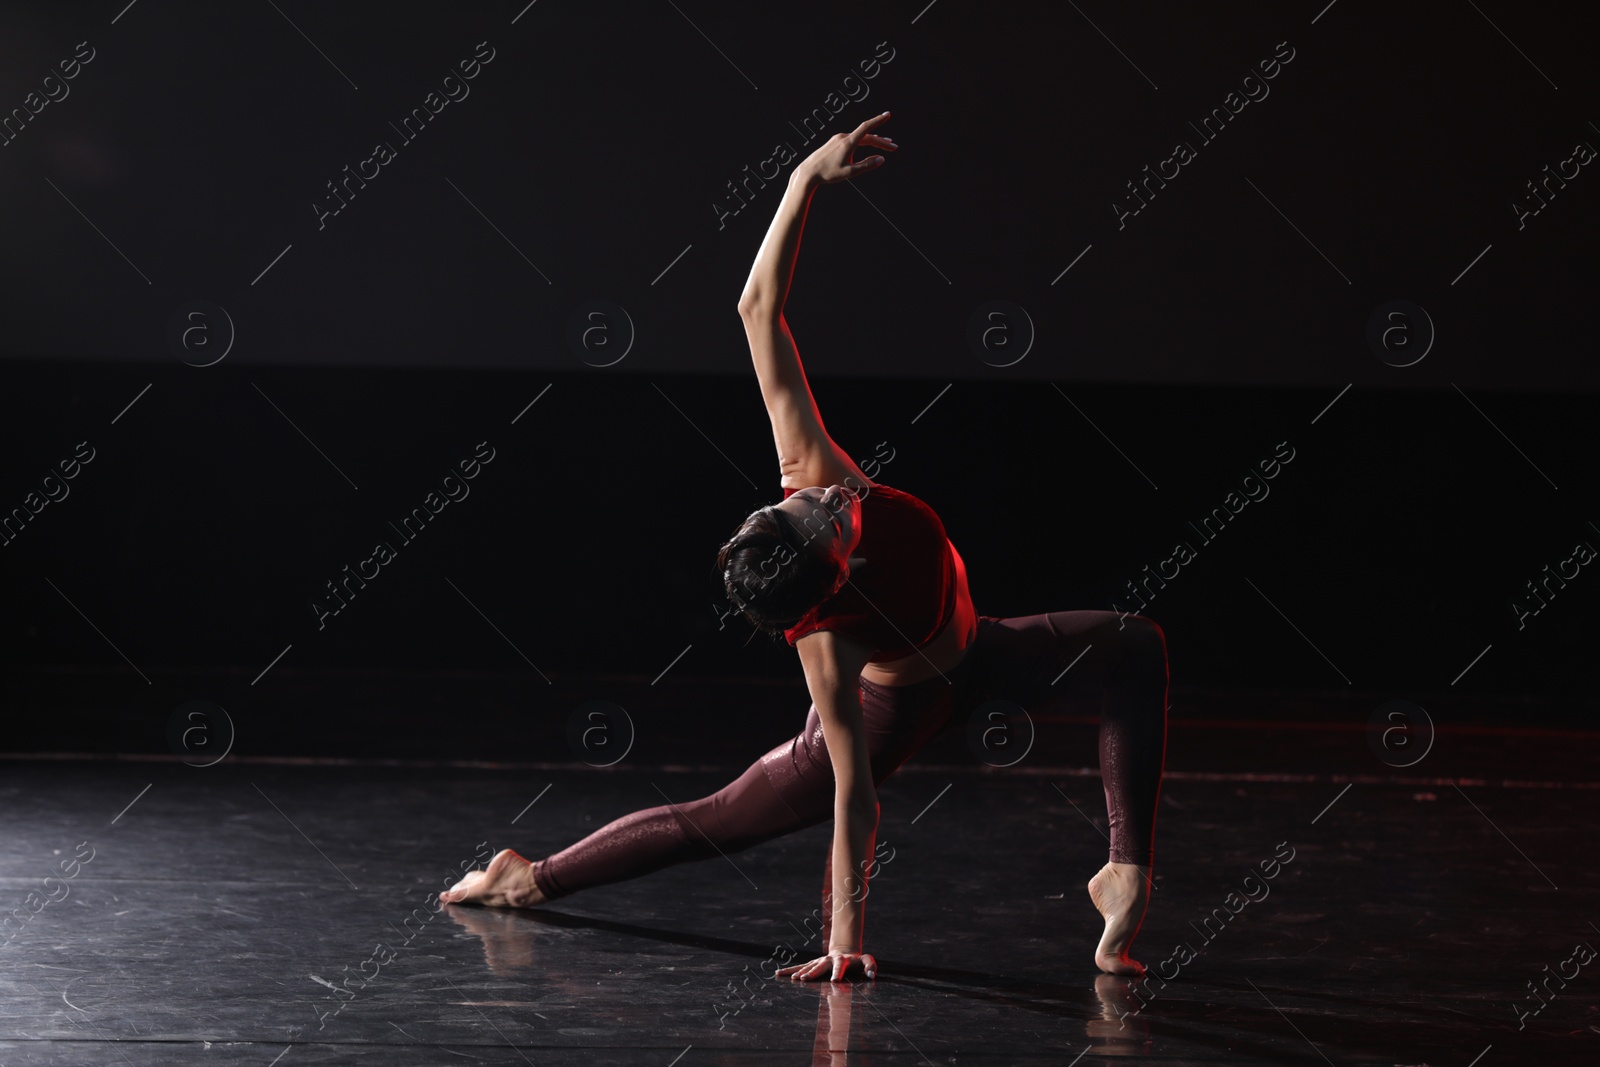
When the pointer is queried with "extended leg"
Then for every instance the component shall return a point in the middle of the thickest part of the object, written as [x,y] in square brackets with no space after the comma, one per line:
[770,799]
[788,789]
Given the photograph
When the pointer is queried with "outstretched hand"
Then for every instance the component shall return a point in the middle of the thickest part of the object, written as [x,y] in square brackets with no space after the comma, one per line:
[840,964]
[831,162]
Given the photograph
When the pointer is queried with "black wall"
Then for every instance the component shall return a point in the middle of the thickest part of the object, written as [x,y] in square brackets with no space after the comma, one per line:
[206,527]
[1135,366]
[591,159]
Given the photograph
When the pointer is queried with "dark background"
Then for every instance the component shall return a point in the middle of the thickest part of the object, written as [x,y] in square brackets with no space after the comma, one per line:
[370,355]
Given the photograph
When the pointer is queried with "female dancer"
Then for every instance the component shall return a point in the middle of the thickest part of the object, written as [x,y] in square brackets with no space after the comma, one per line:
[863,582]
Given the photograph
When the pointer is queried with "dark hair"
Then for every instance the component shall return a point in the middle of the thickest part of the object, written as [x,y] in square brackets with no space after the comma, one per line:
[771,574]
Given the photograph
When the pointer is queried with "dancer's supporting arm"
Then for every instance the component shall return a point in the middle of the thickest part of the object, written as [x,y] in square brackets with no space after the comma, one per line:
[807,456]
[833,665]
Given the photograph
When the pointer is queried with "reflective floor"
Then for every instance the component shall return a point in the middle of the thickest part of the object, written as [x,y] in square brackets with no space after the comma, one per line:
[1314,905]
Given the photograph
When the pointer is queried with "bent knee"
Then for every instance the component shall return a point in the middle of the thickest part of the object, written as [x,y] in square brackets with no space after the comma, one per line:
[1145,641]
[1145,629]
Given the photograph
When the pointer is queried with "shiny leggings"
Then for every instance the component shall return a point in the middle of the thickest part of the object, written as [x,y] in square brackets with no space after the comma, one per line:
[1027,660]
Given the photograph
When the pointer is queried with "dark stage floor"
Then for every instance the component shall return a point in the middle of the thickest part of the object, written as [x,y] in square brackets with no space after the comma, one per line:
[203,915]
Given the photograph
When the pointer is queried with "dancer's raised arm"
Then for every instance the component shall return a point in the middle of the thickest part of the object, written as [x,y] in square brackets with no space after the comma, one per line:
[807,456]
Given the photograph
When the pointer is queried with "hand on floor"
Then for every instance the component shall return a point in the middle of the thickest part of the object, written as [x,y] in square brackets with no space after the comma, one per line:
[841,964]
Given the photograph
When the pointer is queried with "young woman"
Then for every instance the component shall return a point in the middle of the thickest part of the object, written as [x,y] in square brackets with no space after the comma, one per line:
[863,582]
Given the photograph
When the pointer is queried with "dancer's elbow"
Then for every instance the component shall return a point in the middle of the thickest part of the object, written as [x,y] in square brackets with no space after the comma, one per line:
[755,304]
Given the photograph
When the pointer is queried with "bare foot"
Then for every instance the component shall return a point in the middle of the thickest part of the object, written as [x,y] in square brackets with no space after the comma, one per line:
[1120,891]
[507,883]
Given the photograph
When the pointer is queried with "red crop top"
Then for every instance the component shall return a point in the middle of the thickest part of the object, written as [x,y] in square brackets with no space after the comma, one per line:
[904,594]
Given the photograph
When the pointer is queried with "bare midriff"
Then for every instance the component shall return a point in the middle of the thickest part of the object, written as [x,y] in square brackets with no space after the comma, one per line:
[940,655]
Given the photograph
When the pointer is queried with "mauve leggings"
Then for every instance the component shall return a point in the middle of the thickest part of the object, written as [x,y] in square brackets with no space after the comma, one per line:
[791,787]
